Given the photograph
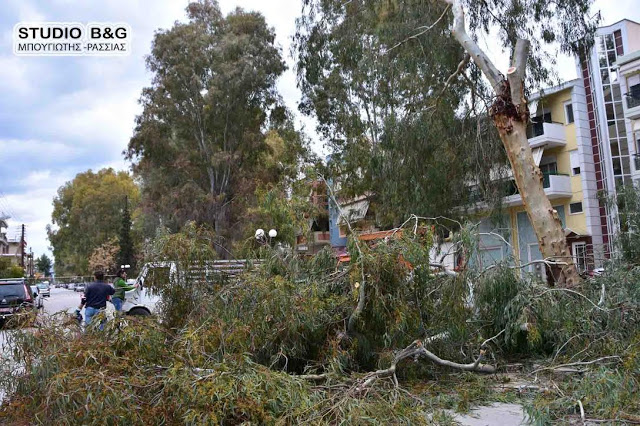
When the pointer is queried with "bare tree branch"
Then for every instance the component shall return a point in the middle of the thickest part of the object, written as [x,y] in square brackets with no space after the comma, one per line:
[361,290]
[416,350]
[515,74]
[426,29]
[480,58]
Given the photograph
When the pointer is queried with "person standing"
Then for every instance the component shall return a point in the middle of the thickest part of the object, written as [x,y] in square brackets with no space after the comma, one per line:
[96,295]
[120,285]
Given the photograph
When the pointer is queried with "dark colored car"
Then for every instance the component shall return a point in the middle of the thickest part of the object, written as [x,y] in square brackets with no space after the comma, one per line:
[15,298]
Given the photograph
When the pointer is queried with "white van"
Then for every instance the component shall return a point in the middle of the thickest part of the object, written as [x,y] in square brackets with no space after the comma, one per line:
[143,301]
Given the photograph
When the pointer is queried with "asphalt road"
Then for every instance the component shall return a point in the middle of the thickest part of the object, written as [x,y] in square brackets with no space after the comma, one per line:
[61,299]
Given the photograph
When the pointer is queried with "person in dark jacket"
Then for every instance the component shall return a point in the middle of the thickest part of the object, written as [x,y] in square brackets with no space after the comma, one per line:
[96,295]
[120,284]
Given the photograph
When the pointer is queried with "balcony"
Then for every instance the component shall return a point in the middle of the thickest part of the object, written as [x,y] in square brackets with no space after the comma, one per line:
[556,185]
[549,135]
[633,105]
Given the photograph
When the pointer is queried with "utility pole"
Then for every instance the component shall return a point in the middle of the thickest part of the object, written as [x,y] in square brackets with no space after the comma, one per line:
[31,271]
[22,247]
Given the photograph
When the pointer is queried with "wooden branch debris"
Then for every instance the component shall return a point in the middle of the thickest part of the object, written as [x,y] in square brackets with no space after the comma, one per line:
[612,358]
[416,350]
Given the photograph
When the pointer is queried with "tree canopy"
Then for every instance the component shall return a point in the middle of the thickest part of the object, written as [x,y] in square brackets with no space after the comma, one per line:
[379,77]
[87,212]
[44,265]
[211,118]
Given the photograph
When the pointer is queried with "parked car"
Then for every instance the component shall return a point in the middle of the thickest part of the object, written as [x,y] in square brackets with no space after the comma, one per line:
[44,289]
[38,301]
[16,297]
[79,287]
[70,286]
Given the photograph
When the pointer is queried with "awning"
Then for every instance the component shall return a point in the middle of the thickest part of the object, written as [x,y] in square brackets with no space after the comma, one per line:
[353,212]
[537,155]
[568,232]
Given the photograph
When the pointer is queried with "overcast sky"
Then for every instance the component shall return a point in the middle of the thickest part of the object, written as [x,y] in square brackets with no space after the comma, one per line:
[60,116]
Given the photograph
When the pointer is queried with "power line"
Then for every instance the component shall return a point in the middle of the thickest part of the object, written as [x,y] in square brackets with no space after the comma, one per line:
[7,207]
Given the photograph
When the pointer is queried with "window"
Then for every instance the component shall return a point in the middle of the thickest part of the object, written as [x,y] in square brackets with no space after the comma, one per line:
[575,162]
[580,256]
[575,208]
[549,168]
[568,113]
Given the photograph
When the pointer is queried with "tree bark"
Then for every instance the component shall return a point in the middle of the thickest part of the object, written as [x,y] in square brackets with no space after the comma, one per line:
[510,115]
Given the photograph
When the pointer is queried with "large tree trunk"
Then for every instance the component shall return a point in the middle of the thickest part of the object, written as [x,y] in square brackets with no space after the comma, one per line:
[543,217]
[510,115]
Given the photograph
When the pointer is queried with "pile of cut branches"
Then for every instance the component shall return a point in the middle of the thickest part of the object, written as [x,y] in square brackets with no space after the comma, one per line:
[276,346]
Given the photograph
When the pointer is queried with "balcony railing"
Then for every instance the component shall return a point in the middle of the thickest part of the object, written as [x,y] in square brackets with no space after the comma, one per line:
[556,185]
[546,134]
[546,178]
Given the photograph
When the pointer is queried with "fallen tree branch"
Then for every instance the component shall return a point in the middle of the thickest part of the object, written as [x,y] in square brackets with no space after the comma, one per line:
[361,289]
[604,358]
[313,377]
[416,350]
[492,338]
[576,293]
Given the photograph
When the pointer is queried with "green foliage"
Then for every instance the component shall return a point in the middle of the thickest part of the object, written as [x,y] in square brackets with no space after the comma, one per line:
[7,270]
[628,239]
[212,126]
[183,289]
[607,392]
[376,89]
[44,264]
[232,352]
[87,214]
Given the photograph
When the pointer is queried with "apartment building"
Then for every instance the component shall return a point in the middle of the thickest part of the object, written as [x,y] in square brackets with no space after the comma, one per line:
[558,136]
[610,132]
[585,137]
[629,78]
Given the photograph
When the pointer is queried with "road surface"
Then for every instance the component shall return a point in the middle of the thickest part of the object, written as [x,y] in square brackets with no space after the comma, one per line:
[61,300]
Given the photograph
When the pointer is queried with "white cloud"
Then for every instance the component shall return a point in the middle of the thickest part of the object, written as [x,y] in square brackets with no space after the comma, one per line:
[33,207]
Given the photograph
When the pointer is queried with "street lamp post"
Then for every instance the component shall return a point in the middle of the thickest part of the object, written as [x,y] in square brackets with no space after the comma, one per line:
[261,236]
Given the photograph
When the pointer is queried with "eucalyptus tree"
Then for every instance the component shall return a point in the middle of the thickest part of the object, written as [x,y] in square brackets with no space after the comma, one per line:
[365,64]
[200,142]
[525,27]
[398,126]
